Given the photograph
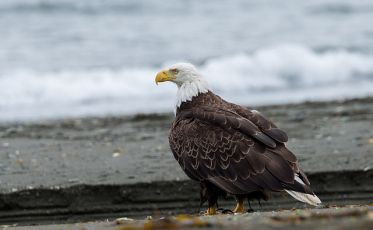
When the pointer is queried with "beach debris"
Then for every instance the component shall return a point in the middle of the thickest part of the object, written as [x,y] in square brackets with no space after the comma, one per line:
[124,220]
[172,222]
[117,152]
[370,141]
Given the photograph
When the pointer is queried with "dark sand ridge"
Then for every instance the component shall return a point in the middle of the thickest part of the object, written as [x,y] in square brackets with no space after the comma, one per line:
[52,156]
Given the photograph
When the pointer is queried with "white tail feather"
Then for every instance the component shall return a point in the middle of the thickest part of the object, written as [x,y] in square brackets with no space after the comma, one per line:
[311,199]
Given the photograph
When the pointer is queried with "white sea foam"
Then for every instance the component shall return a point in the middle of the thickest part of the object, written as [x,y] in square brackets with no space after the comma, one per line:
[278,74]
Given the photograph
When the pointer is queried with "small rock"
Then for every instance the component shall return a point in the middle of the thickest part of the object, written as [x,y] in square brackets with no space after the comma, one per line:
[117,152]
[367,168]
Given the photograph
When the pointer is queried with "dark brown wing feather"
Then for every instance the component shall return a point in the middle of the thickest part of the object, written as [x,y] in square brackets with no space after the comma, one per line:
[229,120]
[264,124]
[267,127]
[233,152]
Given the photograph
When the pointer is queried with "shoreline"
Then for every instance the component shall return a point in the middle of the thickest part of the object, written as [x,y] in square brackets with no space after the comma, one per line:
[163,115]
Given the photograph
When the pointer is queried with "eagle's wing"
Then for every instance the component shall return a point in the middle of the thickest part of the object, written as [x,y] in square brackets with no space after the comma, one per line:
[231,152]
[264,124]
[270,129]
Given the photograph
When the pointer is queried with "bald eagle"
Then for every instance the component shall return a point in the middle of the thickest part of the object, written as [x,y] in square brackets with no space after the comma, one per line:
[229,148]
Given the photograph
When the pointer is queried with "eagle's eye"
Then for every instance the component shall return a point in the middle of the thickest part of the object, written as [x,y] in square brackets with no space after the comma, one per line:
[174,71]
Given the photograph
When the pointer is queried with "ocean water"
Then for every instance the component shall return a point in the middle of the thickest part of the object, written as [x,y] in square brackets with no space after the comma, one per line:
[68,58]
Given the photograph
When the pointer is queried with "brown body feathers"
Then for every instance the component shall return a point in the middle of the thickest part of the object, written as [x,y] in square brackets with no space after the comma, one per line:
[233,148]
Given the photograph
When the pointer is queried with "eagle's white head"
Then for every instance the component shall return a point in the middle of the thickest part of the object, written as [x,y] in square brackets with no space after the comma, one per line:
[189,81]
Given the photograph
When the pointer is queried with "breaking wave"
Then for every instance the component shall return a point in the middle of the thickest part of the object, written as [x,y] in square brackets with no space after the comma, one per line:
[281,74]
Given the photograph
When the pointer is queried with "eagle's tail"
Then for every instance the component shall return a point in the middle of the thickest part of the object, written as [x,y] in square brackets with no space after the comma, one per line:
[311,199]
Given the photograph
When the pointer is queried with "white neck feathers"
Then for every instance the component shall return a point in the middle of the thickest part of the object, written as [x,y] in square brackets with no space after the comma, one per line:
[190,89]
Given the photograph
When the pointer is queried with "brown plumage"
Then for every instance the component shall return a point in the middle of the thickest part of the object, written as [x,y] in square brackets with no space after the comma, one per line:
[231,149]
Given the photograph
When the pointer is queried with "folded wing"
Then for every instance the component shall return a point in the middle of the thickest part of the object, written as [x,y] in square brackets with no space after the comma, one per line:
[238,152]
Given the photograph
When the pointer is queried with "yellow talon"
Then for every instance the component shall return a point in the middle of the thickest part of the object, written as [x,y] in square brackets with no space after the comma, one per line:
[240,208]
[211,211]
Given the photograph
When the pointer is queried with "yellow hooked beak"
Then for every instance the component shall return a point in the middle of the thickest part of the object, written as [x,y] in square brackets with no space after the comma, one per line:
[164,75]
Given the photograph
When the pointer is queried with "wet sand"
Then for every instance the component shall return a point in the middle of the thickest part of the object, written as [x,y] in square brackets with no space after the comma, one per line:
[328,136]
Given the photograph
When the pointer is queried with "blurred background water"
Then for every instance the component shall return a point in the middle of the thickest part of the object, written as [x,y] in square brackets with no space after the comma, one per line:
[63,58]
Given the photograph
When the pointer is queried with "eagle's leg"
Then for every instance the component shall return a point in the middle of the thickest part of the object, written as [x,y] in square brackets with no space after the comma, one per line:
[210,193]
[212,203]
[239,206]
[211,211]
[250,208]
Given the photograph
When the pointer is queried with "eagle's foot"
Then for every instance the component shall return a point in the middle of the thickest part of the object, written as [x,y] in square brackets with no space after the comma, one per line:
[210,211]
[240,208]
